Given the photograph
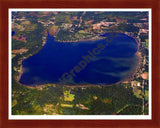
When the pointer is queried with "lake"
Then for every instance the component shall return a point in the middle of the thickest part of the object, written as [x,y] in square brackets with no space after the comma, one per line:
[106,61]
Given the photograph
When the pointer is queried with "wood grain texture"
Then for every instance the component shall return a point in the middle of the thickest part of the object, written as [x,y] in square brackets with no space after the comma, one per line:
[6,4]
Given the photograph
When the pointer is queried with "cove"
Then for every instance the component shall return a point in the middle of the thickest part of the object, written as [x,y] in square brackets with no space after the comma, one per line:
[116,62]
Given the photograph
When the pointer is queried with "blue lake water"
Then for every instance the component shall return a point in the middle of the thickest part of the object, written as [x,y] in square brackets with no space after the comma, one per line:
[105,61]
[13,32]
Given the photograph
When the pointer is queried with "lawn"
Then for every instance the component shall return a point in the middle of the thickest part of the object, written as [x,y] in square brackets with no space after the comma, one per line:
[146,95]
[67,105]
[137,92]
[68,96]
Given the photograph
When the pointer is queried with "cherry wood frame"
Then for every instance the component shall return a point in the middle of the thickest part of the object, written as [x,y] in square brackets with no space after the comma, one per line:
[6,4]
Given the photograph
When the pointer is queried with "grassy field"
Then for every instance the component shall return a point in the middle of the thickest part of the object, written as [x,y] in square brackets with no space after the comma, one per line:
[53,27]
[68,96]
[67,105]
[137,92]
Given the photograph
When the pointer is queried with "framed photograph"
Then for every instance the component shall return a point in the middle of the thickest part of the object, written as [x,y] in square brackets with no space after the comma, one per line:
[92,62]
[66,65]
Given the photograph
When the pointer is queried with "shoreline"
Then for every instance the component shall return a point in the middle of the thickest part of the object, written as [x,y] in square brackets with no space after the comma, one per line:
[79,40]
[72,86]
[138,53]
[21,67]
